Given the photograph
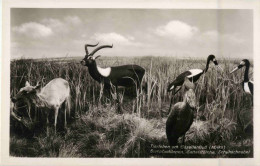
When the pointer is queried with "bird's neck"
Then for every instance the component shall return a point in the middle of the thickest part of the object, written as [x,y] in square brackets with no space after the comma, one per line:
[93,71]
[207,67]
[246,79]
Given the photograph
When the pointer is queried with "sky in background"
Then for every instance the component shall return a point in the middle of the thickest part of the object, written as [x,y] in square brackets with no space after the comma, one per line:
[39,33]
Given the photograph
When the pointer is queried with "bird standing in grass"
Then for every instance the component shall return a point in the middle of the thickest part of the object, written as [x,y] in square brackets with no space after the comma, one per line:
[248,86]
[181,116]
[193,75]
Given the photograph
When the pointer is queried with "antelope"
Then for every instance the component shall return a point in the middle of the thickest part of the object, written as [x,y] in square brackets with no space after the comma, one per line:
[116,76]
[192,74]
[181,115]
[49,98]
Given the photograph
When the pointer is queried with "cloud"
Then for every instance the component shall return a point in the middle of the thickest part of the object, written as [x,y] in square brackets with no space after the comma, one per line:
[65,25]
[115,38]
[51,22]
[176,29]
[33,29]
[214,36]
[74,20]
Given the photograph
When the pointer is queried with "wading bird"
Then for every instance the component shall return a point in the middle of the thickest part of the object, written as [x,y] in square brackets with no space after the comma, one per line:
[117,76]
[248,86]
[49,98]
[192,74]
[181,115]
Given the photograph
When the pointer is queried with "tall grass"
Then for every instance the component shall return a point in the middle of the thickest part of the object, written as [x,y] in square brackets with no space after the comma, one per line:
[97,131]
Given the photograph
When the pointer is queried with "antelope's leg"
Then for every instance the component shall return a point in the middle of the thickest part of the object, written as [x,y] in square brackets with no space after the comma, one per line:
[56,116]
[65,117]
[47,123]
[101,92]
[119,110]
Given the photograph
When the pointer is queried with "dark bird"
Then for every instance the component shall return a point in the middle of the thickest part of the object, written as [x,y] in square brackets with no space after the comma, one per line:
[181,115]
[113,77]
[248,86]
[192,74]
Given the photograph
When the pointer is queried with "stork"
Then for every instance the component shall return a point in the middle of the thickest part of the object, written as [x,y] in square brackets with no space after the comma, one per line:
[193,75]
[248,86]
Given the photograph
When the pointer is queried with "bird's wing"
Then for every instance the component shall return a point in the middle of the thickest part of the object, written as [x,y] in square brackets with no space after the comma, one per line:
[195,72]
[251,87]
[178,81]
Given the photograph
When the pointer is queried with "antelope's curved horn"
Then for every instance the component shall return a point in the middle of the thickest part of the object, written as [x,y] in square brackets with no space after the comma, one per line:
[99,48]
[97,56]
[89,45]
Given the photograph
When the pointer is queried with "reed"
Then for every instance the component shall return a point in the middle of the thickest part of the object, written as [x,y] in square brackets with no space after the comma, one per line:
[220,98]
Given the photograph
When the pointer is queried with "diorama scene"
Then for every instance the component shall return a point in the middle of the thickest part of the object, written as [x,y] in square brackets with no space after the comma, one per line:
[131,83]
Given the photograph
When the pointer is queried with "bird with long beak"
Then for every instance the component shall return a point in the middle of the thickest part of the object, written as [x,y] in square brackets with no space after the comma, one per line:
[248,86]
[193,75]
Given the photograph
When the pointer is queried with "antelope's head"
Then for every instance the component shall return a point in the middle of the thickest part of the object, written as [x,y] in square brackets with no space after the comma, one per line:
[26,92]
[89,57]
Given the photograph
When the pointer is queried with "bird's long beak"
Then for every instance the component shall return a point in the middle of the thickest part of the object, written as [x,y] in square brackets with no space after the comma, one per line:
[235,69]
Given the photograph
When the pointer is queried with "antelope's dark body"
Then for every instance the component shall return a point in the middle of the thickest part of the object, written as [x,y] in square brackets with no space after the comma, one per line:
[126,75]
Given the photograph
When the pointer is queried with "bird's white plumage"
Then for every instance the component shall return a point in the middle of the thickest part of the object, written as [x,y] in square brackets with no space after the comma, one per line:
[194,72]
[171,87]
[246,87]
[104,71]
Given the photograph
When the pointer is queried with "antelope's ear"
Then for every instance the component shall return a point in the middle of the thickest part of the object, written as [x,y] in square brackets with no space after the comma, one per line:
[27,83]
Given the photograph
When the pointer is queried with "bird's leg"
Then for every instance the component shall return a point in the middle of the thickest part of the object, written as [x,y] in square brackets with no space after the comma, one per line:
[183,140]
[183,144]
[177,90]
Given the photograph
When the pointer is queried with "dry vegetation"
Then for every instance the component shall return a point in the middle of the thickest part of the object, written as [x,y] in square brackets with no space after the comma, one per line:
[95,130]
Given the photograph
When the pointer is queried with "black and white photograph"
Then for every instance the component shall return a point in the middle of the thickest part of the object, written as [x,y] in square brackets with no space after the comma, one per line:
[109,82]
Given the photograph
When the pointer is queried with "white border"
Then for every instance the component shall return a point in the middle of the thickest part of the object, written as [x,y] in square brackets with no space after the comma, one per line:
[171,4]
